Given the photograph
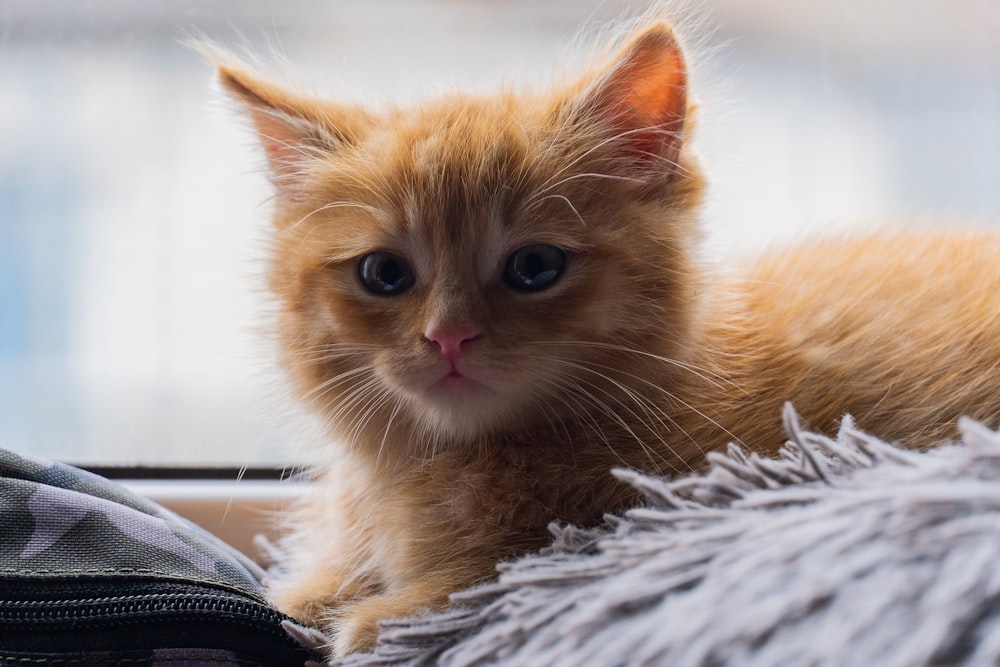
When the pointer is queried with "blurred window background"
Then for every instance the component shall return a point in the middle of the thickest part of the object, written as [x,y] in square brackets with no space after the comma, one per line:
[133,208]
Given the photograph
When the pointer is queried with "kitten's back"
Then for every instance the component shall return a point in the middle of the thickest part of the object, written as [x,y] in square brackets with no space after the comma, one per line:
[899,329]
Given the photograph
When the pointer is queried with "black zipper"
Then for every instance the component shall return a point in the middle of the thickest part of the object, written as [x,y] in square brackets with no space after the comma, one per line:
[53,619]
[166,606]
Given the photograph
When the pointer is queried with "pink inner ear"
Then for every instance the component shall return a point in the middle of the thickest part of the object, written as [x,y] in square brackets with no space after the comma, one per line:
[659,93]
[645,95]
[264,102]
[282,144]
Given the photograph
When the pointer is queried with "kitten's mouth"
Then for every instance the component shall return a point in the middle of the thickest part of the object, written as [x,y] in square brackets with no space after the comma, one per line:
[457,383]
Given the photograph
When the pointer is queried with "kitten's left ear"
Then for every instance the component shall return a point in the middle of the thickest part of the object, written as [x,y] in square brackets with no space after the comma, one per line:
[293,129]
[639,103]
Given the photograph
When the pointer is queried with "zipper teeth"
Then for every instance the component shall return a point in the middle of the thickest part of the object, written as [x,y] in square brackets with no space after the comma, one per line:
[123,608]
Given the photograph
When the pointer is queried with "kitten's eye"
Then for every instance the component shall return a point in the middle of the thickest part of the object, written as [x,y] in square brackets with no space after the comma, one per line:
[385,274]
[534,267]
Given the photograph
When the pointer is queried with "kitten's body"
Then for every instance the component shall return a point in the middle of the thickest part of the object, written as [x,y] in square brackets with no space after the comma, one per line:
[899,329]
[475,408]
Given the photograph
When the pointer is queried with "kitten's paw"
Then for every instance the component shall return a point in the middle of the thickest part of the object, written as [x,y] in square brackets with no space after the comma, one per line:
[355,627]
[308,601]
[304,609]
[353,634]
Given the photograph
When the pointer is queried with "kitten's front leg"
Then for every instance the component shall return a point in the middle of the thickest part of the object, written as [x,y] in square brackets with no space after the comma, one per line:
[354,627]
[313,576]
[325,560]
[309,594]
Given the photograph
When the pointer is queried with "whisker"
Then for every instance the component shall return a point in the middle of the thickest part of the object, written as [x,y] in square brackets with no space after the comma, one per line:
[673,397]
[581,157]
[332,205]
[604,143]
[712,378]
[624,424]
[534,200]
[373,406]
[331,352]
[648,408]
[537,202]
[579,411]
[398,403]
[332,382]
[555,387]
[347,402]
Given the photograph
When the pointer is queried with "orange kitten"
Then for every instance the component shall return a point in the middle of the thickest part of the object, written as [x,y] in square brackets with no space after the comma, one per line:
[494,300]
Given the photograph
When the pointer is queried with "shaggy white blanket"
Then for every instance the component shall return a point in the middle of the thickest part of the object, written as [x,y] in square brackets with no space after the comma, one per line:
[845,551]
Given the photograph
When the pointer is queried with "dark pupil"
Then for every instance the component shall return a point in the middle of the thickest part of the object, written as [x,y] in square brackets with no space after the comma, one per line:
[385,274]
[534,267]
[389,273]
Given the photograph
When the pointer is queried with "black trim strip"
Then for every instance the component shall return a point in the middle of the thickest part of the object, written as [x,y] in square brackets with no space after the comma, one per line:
[232,473]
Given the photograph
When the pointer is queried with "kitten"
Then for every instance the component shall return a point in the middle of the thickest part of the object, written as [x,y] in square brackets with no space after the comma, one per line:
[494,300]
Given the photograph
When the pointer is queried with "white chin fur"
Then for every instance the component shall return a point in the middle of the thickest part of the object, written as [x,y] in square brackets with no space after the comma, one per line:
[461,419]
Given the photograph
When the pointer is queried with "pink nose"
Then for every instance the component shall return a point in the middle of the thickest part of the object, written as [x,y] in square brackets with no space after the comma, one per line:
[450,339]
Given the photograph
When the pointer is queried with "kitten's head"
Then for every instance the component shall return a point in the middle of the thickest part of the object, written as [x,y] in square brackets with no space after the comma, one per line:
[482,264]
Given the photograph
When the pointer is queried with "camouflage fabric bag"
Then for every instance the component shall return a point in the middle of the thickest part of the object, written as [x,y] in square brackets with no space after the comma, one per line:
[91,574]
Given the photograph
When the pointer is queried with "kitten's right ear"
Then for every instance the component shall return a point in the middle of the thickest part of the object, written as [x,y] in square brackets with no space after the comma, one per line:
[639,103]
[293,129]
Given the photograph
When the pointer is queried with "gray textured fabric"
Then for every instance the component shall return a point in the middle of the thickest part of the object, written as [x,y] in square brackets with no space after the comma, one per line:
[59,521]
[845,551]
[91,574]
